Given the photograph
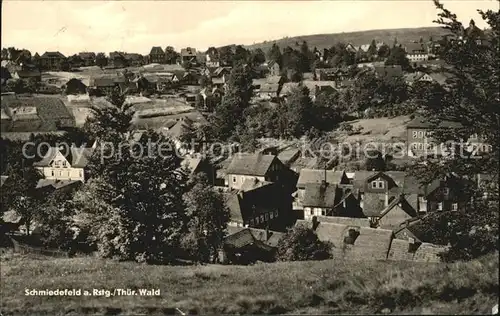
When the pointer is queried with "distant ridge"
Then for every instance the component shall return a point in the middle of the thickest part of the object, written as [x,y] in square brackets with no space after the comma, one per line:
[404,35]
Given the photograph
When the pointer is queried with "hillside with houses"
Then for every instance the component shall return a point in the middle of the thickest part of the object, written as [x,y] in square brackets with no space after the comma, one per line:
[355,147]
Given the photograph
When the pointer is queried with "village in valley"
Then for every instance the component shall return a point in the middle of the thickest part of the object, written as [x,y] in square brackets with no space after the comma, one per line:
[280,151]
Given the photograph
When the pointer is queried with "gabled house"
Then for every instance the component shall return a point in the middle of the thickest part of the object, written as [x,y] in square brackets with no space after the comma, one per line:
[189,54]
[274,69]
[134,59]
[211,97]
[157,55]
[377,191]
[74,86]
[253,166]
[418,76]
[106,84]
[351,48]
[117,60]
[287,89]
[447,194]
[59,167]
[320,199]
[472,32]
[52,60]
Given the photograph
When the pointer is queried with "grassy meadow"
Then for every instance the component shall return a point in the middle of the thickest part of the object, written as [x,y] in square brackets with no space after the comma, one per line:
[321,287]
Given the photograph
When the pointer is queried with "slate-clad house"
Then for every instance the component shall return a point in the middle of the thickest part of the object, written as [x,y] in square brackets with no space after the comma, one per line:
[260,204]
[188,54]
[52,60]
[157,55]
[253,166]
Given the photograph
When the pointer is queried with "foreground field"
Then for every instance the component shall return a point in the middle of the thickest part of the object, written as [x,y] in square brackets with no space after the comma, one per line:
[325,287]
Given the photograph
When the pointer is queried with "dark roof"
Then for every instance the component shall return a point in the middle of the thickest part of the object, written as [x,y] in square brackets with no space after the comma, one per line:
[156,50]
[320,195]
[250,164]
[56,184]
[180,128]
[106,81]
[473,31]
[87,55]
[309,176]
[415,48]
[403,203]
[28,73]
[420,122]
[52,55]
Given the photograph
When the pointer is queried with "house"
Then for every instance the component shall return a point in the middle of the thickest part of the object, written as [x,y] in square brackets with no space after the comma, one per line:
[34,114]
[472,32]
[106,84]
[389,72]
[274,68]
[88,58]
[157,55]
[416,52]
[269,91]
[75,86]
[63,164]
[253,166]
[419,139]
[317,176]
[418,76]
[26,74]
[443,194]
[117,60]
[52,60]
[248,245]
[154,82]
[211,97]
[134,59]
[260,204]
[317,87]
[444,79]
[189,54]
[320,199]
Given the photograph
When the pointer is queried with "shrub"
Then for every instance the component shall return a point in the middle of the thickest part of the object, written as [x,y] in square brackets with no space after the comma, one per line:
[302,243]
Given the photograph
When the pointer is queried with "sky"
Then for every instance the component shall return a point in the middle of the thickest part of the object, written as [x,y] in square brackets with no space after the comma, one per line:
[135,26]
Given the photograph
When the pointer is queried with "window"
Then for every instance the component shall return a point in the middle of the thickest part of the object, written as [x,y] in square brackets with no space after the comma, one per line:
[323,212]
[446,191]
[60,173]
[454,207]
[81,174]
[415,134]
[271,215]
[312,212]
[374,184]
[267,216]
[262,218]
[234,178]
[64,164]
[381,184]
[378,184]
[256,221]
[52,172]
[440,206]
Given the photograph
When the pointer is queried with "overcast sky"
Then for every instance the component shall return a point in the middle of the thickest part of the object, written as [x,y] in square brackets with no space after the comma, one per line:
[136,26]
